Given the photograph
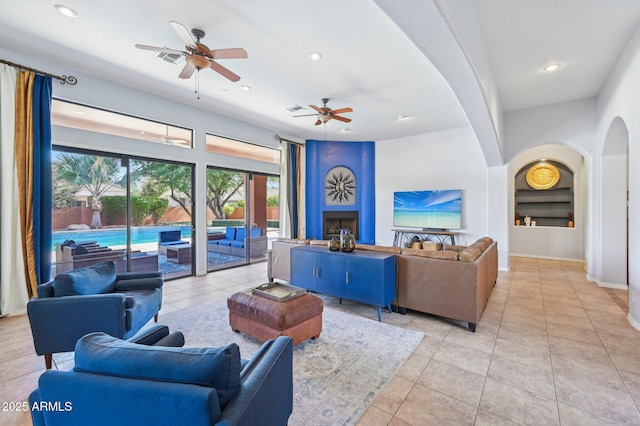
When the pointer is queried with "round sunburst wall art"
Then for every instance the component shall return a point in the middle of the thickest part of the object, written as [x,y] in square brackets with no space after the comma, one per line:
[340,187]
[543,176]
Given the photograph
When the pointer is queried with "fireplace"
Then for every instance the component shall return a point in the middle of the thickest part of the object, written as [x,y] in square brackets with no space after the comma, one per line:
[334,221]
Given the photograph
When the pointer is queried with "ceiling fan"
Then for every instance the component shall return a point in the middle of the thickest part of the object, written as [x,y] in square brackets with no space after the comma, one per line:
[197,55]
[325,113]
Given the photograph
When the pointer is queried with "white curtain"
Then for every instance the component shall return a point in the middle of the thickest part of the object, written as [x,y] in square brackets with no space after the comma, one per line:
[13,288]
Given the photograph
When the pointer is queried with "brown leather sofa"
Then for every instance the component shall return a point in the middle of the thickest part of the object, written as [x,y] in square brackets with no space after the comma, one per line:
[453,283]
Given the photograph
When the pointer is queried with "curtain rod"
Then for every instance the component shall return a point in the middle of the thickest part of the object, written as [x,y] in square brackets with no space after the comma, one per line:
[70,80]
[280,139]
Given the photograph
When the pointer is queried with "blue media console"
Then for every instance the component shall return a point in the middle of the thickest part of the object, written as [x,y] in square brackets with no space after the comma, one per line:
[360,276]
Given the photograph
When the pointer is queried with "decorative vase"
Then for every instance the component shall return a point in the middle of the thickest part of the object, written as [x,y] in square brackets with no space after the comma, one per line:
[334,244]
[347,241]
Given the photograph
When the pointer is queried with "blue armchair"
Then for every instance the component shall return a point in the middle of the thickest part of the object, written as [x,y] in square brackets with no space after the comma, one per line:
[91,299]
[123,383]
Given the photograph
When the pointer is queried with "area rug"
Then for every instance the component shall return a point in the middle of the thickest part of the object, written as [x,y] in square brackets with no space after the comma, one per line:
[335,378]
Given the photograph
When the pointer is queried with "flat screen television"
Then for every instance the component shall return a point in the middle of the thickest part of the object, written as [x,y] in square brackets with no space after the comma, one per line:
[432,209]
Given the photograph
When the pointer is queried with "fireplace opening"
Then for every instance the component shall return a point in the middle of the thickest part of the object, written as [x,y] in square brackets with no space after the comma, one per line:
[335,221]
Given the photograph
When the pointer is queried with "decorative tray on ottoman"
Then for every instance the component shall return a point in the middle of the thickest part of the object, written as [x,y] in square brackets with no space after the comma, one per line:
[278,292]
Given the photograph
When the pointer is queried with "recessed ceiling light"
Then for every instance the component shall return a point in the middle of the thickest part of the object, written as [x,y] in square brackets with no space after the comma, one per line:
[66,11]
[403,117]
[551,67]
[315,56]
[345,130]
[246,88]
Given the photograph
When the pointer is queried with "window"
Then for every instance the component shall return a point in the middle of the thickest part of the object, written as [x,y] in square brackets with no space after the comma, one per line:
[68,114]
[226,146]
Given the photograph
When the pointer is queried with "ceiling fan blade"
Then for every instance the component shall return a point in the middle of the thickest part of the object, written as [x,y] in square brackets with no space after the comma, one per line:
[307,115]
[318,122]
[317,109]
[160,49]
[224,71]
[235,53]
[184,34]
[187,71]
[337,117]
[341,110]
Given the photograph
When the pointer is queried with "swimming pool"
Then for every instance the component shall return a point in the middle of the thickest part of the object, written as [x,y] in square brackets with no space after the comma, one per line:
[118,236]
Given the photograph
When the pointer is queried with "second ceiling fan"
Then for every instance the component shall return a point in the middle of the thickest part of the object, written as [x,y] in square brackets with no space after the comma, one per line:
[325,113]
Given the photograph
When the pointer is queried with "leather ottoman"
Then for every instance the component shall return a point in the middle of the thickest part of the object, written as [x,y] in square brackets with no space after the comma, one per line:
[263,319]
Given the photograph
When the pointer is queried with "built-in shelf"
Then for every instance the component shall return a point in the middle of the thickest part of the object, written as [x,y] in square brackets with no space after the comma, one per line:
[547,207]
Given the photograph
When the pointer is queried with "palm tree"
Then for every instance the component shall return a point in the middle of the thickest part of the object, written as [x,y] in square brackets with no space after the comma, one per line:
[96,174]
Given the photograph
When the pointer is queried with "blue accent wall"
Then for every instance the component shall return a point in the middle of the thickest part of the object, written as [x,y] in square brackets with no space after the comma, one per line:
[322,156]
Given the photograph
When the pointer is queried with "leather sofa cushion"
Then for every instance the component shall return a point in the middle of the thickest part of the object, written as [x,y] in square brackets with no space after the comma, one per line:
[483,243]
[470,253]
[217,368]
[448,255]
[95,279]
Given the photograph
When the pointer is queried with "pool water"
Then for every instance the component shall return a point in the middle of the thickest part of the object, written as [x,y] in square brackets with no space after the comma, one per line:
[118,236]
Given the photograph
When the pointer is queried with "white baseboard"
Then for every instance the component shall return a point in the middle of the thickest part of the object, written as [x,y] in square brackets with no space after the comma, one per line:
[564,259]
[635,324]
[608,285]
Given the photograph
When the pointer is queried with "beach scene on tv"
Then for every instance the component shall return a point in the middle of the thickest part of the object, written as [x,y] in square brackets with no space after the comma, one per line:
[429,209]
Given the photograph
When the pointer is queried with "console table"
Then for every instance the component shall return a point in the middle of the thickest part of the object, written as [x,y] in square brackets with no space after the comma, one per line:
[366,277]
[403,235]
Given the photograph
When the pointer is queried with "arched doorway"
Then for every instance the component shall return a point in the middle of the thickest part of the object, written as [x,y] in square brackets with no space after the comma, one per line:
[614,222]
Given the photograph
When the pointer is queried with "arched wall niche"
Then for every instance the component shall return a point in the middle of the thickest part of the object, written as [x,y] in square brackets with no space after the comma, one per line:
[544,193]
[551,242]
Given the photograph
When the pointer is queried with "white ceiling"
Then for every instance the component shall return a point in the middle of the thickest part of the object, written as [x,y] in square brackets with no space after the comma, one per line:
[368,63]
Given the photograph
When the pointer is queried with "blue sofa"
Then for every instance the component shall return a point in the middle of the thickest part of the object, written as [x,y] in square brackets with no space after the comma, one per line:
[90,299]
[115,382]
[235,241]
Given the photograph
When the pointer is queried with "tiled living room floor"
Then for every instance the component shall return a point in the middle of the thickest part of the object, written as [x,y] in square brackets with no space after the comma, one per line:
[551,348]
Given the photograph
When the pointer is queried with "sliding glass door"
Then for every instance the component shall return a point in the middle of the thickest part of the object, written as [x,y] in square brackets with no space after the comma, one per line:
[240,217]
[134,212]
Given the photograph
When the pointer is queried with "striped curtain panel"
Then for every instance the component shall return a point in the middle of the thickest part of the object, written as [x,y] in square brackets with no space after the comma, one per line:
[25,186]
[291,182]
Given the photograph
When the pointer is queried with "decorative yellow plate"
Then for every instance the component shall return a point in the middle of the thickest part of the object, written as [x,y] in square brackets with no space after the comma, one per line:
[543,176]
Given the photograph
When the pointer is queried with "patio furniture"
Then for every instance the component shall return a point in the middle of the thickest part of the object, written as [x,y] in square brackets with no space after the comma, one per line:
[235,242]
[169,238]
[179,253]
[80,255]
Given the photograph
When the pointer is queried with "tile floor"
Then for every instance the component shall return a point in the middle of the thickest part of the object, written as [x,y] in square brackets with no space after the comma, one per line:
[551,348]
